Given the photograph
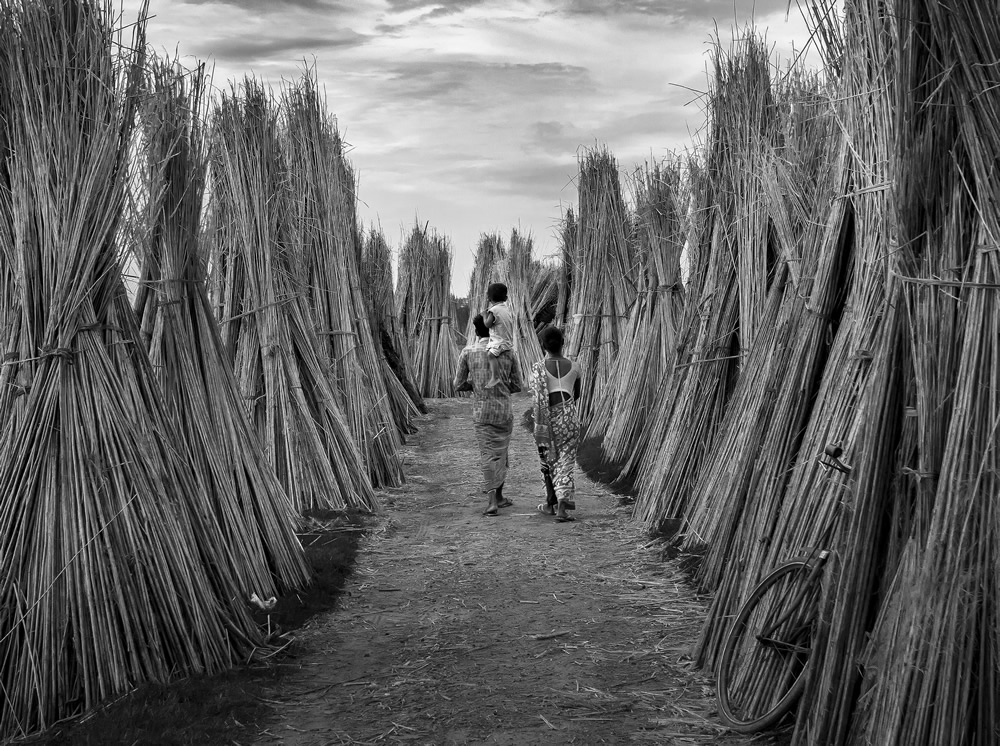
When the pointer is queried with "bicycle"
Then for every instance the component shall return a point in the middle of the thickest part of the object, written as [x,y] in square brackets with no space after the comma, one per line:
[762,666]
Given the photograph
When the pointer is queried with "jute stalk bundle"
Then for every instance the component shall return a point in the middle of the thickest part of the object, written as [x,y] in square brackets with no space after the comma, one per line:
[649,345]
[426,312]
[742,126]
[567,251]
[853,404]
[488,265]
[545,291]
[250,516]
[604,275]
[740,493]
[323,235]
[932,666]
[700,223]
[520,275]
[376,282]
[104,584]
[9,311]
[266,317]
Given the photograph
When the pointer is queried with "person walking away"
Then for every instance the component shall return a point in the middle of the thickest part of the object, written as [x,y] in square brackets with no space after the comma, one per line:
[555,387]
[500,321]
[492,413]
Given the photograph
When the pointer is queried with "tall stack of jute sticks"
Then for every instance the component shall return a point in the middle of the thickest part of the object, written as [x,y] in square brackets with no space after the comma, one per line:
[321,210]
[426,312]
[248,515]
[567,253]
[488,264]
[522,276]
[649,341]
[740,493]
[116,568]
[604,274]
[922,538]
[545,291]
[842,260]
[262,298]
[691,409]
[514,266]
[376,283]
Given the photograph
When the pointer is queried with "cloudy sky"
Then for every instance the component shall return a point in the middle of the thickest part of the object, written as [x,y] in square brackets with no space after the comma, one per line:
[469,115]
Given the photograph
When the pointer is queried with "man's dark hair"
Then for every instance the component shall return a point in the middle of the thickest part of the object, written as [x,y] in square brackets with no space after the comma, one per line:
[481,329]
[551,339]
[497,293]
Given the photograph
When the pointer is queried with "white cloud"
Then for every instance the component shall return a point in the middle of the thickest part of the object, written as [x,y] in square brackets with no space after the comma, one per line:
[469,114]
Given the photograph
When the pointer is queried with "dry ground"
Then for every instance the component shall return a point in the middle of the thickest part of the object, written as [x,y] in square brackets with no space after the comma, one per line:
[455,628]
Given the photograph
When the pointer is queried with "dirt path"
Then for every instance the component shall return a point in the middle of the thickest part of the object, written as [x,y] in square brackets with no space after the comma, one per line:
[461,629]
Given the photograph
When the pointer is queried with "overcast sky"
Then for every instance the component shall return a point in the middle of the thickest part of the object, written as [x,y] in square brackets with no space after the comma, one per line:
[470,114]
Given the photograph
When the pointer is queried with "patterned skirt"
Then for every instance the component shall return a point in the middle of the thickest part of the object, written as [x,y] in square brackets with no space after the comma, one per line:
[558,456]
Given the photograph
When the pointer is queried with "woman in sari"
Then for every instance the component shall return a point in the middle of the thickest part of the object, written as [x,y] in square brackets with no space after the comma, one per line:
[555,385]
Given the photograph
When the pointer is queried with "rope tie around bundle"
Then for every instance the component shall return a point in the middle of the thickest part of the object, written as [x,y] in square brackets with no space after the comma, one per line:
[64,353]
[932,282]
[710,360]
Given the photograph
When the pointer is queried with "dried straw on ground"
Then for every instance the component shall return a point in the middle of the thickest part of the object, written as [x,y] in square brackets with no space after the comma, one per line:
[426,312]
[249,518]
[376,282]
[604,275]
[742,126]
[323,234]
[104,585]
[648,347]
[267,323]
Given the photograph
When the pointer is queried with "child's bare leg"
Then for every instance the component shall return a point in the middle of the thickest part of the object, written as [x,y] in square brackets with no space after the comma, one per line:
[495,379]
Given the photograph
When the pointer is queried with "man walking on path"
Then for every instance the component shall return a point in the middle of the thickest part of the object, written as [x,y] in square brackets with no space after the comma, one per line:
[492,413]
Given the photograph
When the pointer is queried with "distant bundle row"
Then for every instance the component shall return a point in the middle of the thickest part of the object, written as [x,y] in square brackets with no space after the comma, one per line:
[487,268]
[376,283]
[515,267]
[426,312]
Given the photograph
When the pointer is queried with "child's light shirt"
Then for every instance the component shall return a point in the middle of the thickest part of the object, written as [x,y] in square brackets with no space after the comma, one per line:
[502,331]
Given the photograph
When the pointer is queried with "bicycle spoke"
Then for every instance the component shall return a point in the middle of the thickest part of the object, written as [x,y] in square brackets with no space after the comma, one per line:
[767,650]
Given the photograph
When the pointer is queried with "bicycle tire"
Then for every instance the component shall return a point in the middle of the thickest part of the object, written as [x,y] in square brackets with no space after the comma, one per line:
[757,684]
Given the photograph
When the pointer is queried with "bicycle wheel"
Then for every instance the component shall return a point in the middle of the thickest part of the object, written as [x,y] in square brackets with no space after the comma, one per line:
[761,671]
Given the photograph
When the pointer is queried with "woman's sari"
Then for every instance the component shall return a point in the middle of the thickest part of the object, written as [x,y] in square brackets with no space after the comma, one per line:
[557,432]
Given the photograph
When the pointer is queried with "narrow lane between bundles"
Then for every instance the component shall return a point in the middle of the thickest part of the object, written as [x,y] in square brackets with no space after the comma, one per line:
[456,628]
